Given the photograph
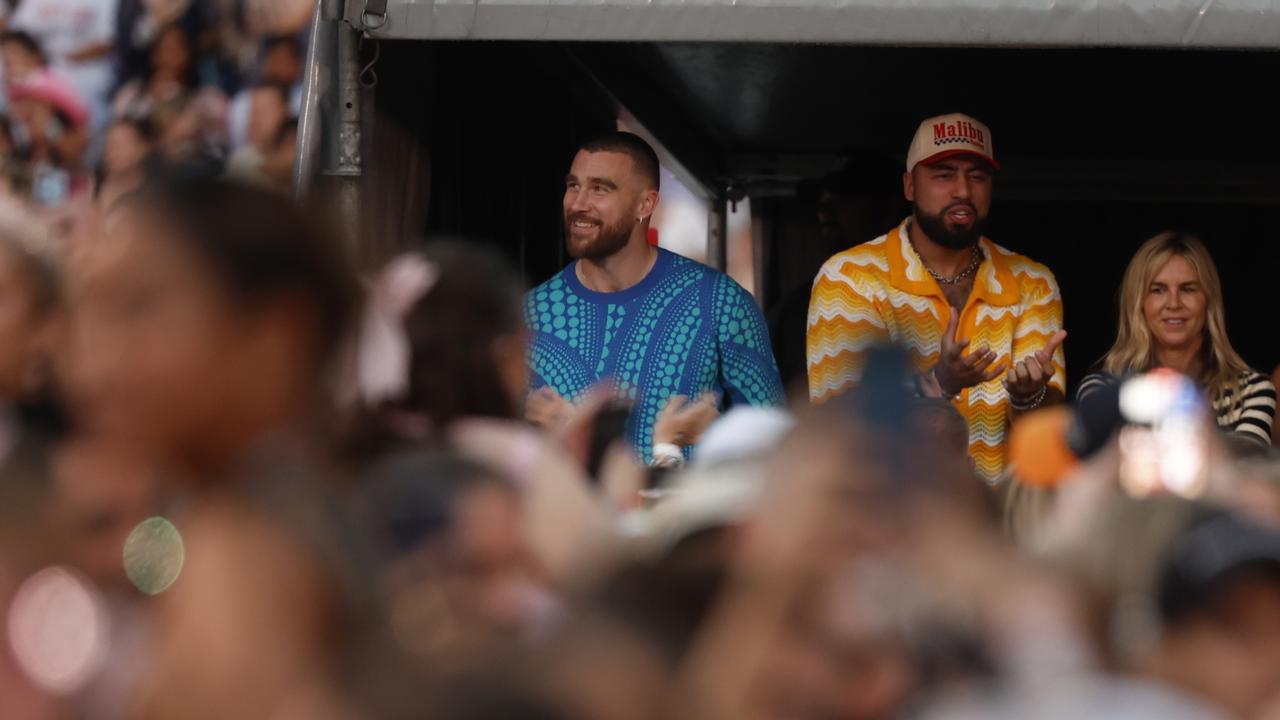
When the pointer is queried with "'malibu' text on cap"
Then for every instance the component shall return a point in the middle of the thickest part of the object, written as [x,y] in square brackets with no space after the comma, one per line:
[962,131]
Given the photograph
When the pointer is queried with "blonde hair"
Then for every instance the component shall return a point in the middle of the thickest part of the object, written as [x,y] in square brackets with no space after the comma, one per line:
[1134,349]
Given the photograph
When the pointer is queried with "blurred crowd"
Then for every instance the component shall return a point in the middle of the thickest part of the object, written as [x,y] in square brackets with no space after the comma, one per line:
[201,518]
[93,90]
[239,481]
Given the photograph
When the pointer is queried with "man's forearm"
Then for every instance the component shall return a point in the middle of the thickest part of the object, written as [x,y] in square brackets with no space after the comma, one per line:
[96,51]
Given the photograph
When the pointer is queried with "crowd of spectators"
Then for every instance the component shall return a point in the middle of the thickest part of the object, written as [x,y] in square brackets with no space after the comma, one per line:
[93,90]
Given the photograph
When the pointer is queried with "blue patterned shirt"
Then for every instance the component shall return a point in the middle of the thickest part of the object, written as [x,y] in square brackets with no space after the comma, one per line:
[683,330]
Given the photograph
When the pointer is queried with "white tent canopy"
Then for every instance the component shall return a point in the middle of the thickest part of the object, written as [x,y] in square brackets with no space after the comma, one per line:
[1042,23]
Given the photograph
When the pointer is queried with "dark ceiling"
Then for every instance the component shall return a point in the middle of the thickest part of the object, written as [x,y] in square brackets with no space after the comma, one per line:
[1084,117]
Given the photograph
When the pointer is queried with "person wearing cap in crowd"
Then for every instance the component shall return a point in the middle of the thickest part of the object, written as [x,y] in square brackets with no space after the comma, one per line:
[1218,598]
[656,327]
[52,130]
[1172,316]
[1190,594]
[982,324]
[78,37]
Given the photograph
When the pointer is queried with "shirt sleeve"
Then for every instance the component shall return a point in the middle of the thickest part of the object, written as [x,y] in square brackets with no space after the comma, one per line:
[1041,318]
[844,322]
[1092,383]
[1257,410]
[534,354]
[748,371]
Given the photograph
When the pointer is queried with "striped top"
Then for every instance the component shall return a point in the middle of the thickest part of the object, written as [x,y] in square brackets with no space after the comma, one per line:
[1247,411]
[880,292]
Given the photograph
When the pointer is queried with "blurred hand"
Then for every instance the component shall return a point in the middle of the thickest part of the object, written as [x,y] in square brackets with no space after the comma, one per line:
[682,422]
[569,424]
[956,370]
[565,524]
[548,410]
[1029,376]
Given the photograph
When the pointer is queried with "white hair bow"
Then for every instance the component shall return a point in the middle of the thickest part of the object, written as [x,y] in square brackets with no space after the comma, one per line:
[383,354]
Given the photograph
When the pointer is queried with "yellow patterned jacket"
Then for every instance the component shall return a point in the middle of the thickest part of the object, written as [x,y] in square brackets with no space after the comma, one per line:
[880,292]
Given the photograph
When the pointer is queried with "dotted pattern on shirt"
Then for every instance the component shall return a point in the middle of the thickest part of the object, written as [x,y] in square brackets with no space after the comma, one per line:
[694,330]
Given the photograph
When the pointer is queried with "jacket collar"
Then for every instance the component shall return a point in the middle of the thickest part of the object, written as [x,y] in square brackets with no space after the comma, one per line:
[993,284]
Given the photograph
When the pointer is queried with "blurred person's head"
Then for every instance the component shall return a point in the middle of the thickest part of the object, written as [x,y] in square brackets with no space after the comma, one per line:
[1171,301]
[837,455]
[268,111]
[281,60]
[1218,596]
[666,601]
[50,108]
[866,451]
[185,130]
[454,532]
[21,54]
[464,329]
[1189,595]
[610,195]
[206,315]
[844,653]
[173,55]
[601,665]
[278,163]
[128,143]
[29,315]
[264,18]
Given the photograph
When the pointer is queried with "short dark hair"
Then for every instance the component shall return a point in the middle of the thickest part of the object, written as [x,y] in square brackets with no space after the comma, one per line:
[632,145]
[271,42]
[410,512]
[26,41]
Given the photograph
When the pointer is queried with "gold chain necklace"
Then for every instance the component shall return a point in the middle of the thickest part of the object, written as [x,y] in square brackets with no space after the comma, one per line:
[974,262]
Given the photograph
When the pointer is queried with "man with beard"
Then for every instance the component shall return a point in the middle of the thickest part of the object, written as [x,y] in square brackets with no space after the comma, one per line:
[982,323]
[654,327]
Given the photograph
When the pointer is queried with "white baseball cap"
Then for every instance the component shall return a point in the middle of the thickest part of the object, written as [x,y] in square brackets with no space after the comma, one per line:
[946,136]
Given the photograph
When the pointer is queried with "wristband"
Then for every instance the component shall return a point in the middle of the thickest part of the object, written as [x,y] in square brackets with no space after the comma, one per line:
[667,455]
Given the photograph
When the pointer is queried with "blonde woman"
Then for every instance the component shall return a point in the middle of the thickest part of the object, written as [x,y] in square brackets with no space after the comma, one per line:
[1171,316]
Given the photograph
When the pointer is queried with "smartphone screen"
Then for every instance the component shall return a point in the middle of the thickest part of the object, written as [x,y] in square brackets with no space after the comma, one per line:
[1164,447]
